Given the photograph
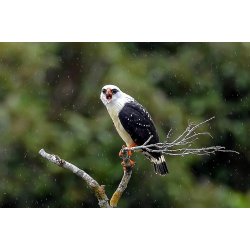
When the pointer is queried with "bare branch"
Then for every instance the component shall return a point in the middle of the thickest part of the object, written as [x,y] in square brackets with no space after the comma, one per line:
[93,184]
[181,146]
[98,189]
[169,133]
[147,141]
[121,188]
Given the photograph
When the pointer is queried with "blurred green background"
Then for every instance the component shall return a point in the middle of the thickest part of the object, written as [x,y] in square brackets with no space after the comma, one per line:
[49,98]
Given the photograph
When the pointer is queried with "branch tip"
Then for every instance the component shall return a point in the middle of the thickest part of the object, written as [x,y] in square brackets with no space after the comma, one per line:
[181,146]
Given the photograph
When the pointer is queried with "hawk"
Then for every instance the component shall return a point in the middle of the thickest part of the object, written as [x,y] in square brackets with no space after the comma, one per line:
[133,123]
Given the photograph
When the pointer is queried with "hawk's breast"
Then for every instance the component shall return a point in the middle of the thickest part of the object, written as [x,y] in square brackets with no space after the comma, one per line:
[120,129]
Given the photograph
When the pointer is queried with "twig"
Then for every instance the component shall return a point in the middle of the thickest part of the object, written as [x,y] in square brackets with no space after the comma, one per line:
[181,146]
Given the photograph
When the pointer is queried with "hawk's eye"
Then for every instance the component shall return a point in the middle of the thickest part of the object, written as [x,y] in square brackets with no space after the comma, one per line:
[114,91]
[104,91]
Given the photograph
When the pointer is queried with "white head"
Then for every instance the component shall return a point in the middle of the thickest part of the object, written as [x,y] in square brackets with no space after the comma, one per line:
[111,95]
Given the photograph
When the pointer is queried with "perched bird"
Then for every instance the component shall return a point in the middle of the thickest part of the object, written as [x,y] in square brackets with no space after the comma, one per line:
[133,123]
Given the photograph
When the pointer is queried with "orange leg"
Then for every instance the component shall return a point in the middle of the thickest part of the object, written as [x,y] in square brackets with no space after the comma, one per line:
[131,146]
[128,162]
[129,152]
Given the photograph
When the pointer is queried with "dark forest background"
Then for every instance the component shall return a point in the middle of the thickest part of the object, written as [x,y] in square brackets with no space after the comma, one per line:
[49,98]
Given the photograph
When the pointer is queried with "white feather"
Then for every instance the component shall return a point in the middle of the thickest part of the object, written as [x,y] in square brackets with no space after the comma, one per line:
[159,160]
[114,106]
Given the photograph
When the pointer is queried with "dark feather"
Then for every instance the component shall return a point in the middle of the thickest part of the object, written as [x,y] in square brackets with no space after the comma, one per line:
[138,123]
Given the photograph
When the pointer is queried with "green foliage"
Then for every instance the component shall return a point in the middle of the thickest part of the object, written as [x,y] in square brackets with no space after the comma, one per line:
[49,98]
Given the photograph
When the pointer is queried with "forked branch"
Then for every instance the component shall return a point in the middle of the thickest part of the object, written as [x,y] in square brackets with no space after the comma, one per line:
[181,146]
[99,190]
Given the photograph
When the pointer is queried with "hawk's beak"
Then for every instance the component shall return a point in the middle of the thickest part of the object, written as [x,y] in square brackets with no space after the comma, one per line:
[109,94]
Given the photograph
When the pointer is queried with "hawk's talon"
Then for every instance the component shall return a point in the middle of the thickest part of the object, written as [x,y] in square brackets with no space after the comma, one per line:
[130,153]
[121,151]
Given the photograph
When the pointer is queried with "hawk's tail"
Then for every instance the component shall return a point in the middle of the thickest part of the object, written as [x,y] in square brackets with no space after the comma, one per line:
[160,165]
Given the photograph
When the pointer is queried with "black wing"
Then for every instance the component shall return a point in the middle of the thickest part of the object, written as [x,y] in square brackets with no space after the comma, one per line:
[138,123]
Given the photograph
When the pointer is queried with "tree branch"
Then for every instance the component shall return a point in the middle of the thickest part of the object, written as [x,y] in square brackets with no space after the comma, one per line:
[127,167]
[121,188]
[98,189]
[182,145]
